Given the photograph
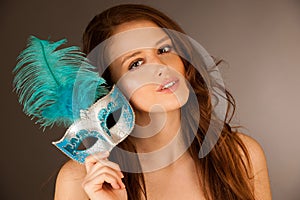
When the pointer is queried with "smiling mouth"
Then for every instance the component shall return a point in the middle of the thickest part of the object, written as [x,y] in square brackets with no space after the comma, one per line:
[170,85]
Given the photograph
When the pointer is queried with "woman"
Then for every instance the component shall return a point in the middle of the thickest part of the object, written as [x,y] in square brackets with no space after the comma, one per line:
[234,169]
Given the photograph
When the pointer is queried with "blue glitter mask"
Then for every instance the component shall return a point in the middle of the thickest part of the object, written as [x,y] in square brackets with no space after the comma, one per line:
[93,123]
[59,86]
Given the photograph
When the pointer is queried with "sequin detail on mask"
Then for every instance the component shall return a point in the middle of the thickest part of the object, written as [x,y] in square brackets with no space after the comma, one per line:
[93,123]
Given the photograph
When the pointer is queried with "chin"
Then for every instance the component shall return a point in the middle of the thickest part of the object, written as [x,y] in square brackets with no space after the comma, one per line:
[163,106]
[160,103]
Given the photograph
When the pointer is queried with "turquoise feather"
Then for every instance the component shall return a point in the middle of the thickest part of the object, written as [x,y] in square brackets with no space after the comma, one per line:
[53,84]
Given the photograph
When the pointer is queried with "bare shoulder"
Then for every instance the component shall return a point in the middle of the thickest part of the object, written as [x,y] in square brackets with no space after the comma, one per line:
[255,150]
[259,167]
[72,170]
[68,182]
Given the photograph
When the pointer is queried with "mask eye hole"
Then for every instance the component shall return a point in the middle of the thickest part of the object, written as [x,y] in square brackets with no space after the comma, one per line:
[113,118]
[86,143]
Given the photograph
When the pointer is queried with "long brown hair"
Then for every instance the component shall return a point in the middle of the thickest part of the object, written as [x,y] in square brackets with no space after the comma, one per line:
[223,173]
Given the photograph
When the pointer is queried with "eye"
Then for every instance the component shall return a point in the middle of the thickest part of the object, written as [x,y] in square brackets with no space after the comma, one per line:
[165,49]
[135,64]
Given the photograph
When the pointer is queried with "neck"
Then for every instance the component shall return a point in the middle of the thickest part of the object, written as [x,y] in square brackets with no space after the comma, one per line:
[155,130]
[164,146]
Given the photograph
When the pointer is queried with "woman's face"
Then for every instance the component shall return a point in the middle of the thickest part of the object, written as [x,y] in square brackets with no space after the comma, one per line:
[146,67]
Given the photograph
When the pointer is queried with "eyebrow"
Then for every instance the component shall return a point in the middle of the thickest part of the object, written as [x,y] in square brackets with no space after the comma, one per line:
[162,40]
[138,52]
[130,56]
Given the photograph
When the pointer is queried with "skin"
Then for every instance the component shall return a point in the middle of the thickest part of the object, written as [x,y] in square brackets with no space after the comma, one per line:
[101,179]
[169,102]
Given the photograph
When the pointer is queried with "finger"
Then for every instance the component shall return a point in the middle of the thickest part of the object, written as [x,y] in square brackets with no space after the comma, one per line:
[96,171]
[97,182]
[97,156]
[94,158]
[112,165]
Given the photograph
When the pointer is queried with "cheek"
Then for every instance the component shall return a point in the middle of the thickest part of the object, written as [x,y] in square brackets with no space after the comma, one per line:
[116,71]
[114,75]
[176,63]
[142,98]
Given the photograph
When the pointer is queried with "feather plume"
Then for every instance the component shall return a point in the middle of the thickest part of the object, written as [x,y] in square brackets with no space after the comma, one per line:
[53,84]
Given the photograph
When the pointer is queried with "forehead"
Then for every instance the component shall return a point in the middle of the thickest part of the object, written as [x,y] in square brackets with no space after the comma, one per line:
[132,36]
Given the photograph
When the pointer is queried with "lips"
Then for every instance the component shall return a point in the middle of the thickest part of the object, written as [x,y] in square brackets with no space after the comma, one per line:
[168,85]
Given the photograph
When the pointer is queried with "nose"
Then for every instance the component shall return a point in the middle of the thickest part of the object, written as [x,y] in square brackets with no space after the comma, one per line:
[153,58]
[162,69]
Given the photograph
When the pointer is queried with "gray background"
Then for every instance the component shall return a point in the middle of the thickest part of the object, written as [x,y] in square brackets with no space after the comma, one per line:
[260,40]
